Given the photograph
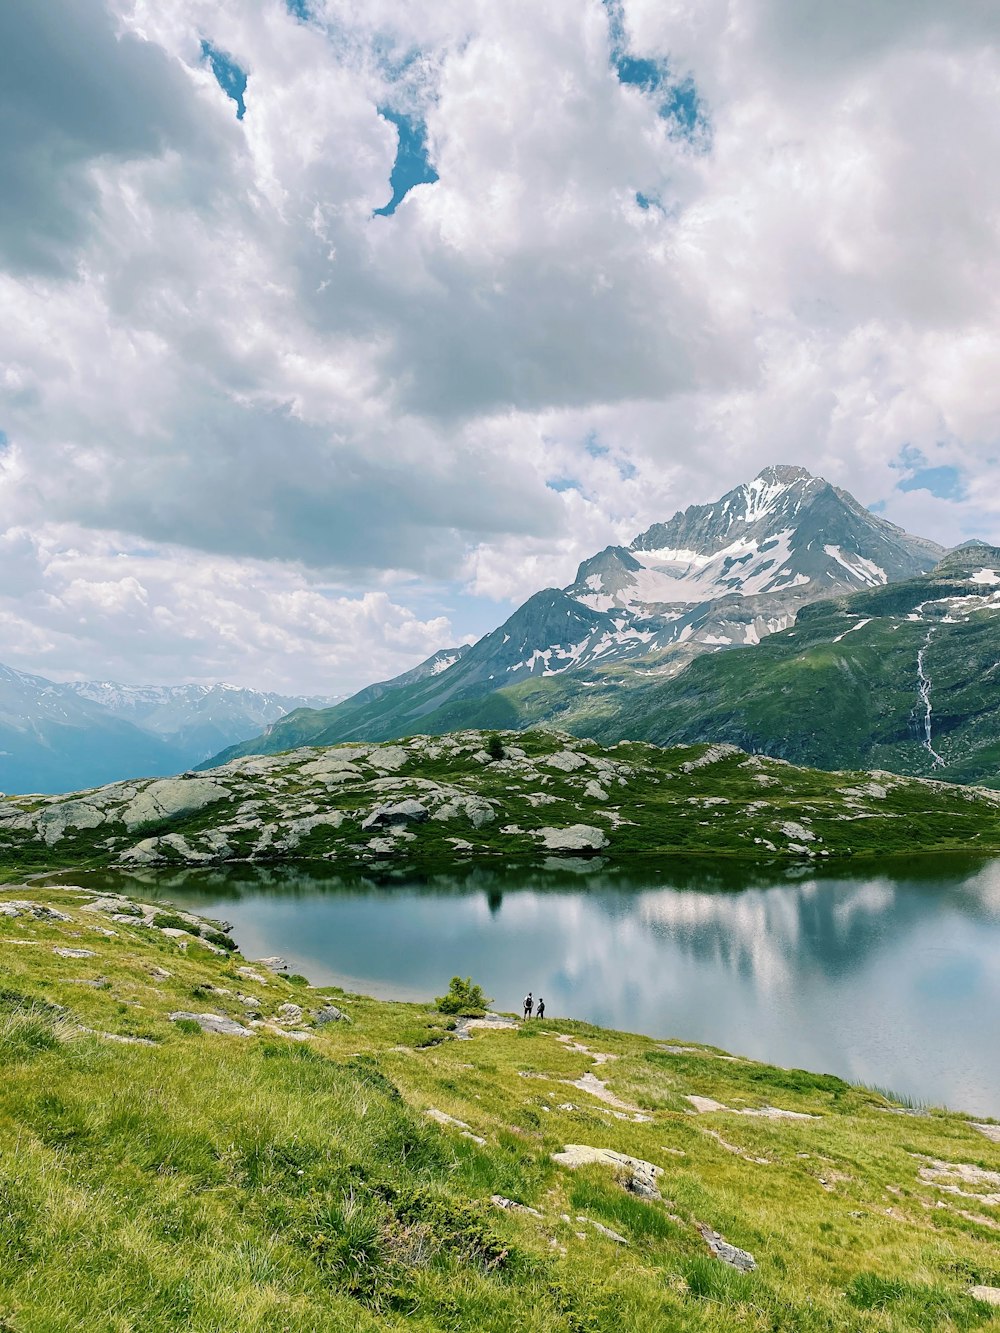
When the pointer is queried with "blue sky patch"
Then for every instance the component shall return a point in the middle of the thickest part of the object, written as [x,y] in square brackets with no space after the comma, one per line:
[230,78]
[412,166]
[564,484]
[677,100]
[943,481]
[298,9]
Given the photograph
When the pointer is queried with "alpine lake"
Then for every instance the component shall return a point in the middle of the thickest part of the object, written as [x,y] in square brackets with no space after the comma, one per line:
[885,973]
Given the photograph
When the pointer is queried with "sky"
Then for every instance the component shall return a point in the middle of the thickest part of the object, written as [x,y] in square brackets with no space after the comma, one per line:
[331,331]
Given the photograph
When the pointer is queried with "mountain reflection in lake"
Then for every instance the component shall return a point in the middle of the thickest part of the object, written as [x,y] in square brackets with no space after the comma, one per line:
[889,975]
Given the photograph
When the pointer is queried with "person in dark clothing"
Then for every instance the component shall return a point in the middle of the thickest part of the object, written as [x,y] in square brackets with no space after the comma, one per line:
[528,1005]
[540,1008]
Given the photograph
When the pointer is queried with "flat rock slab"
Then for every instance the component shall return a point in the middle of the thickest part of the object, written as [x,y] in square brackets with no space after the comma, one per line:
[488,1023]
[706,1105]
[991,1295]
[273,964]
[992,1132]
[74,953]
[217,1023]
[640,1174]
[721,1249]
[591,1084]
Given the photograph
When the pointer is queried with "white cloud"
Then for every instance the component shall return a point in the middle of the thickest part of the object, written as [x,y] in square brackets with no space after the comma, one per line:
[211,345]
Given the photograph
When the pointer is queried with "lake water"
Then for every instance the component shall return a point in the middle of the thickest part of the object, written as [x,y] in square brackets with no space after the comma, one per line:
[889,975]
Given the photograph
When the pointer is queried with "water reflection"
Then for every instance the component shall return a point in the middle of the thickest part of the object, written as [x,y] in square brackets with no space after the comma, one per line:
[891,976]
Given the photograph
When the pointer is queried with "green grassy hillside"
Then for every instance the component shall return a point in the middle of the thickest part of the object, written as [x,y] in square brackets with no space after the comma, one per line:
[432,800]
[330,1162]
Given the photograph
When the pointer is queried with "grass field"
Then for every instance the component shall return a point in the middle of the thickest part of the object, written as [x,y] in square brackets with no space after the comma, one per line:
[156,1177]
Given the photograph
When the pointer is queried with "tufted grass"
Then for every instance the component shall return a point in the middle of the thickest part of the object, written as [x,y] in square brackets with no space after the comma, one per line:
[262,1184]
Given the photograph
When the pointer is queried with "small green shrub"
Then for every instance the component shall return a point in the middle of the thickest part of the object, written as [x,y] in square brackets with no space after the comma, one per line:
[171,921]
[295,979]
[463,998]
[494,747]
[187,1025]
[218,938]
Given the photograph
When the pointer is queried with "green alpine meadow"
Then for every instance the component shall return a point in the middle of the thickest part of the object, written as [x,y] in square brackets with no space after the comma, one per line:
[196,1141]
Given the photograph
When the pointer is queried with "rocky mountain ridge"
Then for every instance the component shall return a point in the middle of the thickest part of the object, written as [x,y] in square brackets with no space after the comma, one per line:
[712,577]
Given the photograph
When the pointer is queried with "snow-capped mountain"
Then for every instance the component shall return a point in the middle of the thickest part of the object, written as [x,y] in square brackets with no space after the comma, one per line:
[734,571]
[713,577]
[57,737]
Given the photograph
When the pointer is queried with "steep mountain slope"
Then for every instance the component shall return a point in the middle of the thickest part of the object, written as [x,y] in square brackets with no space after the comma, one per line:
[905,677]
[714,576]
[55,737]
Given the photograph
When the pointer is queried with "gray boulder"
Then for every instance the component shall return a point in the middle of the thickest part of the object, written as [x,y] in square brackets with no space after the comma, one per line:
[403,812]
[330,1014]
[575,838]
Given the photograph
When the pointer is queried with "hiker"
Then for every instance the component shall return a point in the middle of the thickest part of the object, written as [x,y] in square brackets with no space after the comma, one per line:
[528,1004]
[540,1008]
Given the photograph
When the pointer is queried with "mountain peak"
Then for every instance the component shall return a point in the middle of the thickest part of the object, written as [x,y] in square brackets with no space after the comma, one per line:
[785,474]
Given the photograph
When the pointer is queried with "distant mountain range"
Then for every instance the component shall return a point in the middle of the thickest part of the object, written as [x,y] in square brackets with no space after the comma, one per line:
[628,649]
[58,737]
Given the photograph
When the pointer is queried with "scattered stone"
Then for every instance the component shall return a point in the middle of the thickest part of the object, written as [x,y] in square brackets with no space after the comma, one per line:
[575,838]
[330,1014]
[443,1118]
[605,1231]
[96,983]
[273,964]
[289,1013]
[634,1174]
[595,791]
[721,1249]
[598,1057]
[731,1147]
[942,1176]
[120,1037]
[215,1023]
[74,953]
[512,1206]
[160,973]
